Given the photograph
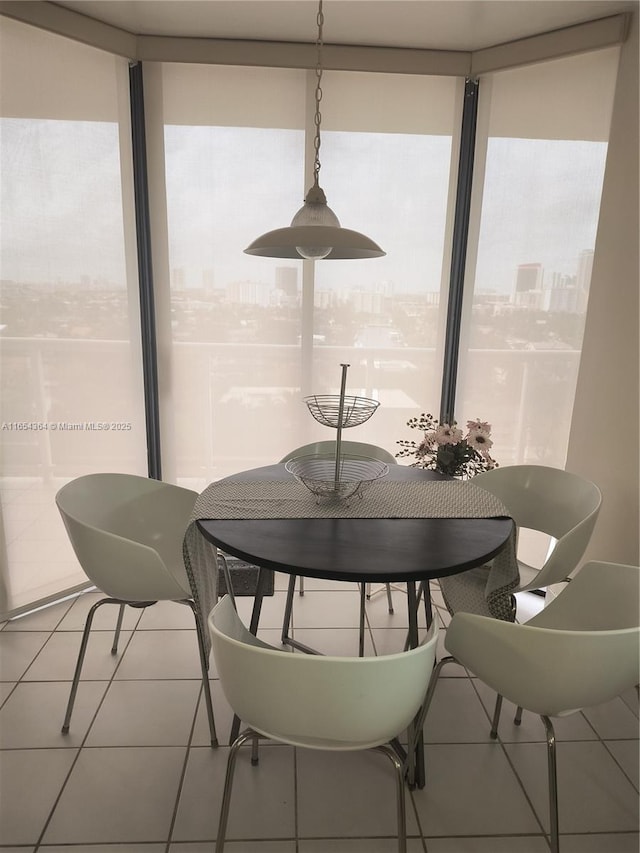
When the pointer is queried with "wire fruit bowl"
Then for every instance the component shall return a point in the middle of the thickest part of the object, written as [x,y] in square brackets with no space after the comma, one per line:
[352,476]
[326,409]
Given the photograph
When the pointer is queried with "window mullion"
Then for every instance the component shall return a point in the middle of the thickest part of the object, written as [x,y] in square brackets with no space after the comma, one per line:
[459,250]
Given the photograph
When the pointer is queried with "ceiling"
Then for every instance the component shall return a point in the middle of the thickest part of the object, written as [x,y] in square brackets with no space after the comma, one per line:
[437,24]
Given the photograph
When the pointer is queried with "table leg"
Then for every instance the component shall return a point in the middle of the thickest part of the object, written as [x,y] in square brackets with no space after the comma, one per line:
[415,762]
[363,598]
[428,607]
[286,622]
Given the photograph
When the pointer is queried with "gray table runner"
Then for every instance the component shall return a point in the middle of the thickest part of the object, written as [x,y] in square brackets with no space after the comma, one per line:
[239,499]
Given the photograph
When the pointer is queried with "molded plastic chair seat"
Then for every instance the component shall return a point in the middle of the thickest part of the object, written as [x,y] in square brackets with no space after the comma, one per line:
[317,702]
[347,448]
[127,533]
[581,650]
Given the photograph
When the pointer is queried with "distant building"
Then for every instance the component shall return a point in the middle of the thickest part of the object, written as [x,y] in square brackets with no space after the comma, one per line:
[583,279]
[529,292]
[287,281]
[249,293]
[528,277]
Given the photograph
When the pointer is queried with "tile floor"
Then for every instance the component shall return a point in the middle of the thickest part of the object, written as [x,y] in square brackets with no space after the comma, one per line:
[135,774]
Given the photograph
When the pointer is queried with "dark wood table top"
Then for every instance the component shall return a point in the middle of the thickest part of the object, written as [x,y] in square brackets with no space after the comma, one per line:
[360,549]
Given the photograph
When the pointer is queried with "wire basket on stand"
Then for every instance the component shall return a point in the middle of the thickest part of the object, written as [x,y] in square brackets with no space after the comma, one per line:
[336,477]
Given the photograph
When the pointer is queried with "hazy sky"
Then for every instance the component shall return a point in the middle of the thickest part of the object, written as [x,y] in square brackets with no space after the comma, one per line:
[61,212]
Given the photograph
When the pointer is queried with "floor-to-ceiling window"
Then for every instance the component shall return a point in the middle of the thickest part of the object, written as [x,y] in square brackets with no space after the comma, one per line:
[69,326]
[541,151]
[390,172]
[250,336]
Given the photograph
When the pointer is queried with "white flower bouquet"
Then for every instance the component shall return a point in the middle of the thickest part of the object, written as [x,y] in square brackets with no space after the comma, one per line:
[446,448]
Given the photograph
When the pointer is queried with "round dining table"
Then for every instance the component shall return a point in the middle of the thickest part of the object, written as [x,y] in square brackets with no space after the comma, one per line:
[360,550]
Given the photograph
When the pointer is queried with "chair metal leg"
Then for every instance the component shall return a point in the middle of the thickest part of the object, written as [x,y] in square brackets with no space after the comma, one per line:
[389,598]
[204,667]
[496,717]
[518,717]
[381,588]
[424,710]
[301,586]
[400,798]
[228,784]
[116,636]
[254,751]
[554,836]
[286,622]
[81,654]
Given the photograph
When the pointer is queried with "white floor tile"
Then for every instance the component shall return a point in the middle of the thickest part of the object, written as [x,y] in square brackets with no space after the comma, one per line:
[161,654]
[271,613]
[326,610]
[456,714]
[613,720]
[358,845]
[620,842]
[166,615]
[118,796]
[34,713]
[18,650]
[631,698]
[594,795]
[6,688]
[495,844]
[625,753]
[347,794]
[234,847]
[262,803]
[146,713]
[103,848]
[30,780]
[57,660]
[105,617]
[223,717]
[471,790]
[45,619]
[389,641]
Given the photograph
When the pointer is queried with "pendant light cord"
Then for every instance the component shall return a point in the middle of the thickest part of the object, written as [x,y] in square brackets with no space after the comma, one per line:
[318,97]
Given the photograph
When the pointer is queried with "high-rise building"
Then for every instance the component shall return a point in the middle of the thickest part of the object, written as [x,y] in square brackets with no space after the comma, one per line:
[287,281]
[528,277]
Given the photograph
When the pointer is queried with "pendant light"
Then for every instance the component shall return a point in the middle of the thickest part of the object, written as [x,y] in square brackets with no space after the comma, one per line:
[315,231]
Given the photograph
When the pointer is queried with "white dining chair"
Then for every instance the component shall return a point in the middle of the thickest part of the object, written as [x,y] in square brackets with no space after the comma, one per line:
[347,448]
[326,703]
[581,650]
[127,533]
[562,505]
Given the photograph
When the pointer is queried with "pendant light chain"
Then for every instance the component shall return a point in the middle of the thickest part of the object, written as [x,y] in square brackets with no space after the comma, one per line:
[315,232]
[318,97]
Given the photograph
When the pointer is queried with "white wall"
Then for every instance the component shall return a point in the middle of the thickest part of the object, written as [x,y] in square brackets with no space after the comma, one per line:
[604,441]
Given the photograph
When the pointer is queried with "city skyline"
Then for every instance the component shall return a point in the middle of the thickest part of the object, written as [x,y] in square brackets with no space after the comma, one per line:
[64,219]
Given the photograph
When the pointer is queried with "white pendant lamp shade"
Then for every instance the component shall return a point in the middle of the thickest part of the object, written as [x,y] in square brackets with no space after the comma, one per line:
[315,232]
[347,244]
